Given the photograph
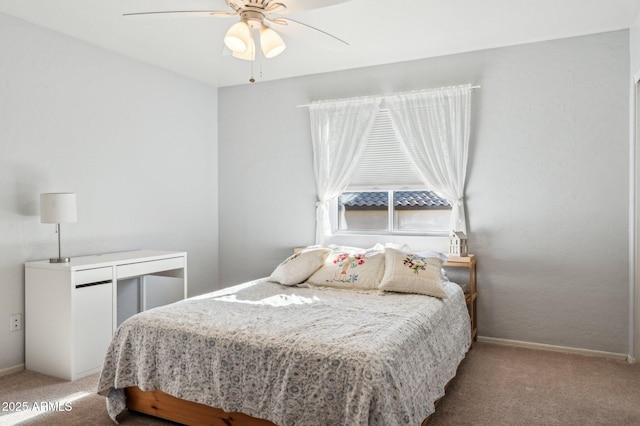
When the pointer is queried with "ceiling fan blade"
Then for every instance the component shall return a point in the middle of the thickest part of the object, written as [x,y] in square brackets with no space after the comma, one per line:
[194,13]
[307,33]
[275,7]
[295,6]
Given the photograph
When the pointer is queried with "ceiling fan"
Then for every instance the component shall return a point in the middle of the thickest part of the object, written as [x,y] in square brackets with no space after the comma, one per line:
[255,17]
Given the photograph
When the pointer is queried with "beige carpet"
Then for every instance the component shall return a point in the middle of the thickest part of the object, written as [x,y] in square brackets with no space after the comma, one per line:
[501,385]
[495,385]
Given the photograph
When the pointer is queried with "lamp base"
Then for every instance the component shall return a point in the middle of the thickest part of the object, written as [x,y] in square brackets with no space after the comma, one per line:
[60,260]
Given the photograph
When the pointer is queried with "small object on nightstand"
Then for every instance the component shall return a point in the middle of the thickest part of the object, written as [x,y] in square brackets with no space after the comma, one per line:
[458,244]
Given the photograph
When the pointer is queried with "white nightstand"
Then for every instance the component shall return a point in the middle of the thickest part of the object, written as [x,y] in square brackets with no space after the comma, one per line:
[71,308]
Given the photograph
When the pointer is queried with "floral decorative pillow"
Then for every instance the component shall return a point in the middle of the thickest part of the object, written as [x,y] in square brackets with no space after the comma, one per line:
[412,273]
[360,270]
[298,267]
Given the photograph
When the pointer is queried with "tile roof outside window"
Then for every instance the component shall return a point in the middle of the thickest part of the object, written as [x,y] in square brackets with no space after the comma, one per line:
[400,198]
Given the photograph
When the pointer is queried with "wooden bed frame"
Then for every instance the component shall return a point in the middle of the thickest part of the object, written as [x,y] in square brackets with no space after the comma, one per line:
[159,404]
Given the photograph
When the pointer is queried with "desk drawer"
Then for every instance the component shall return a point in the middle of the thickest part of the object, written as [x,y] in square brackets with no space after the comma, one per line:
[88,276]
[150,267]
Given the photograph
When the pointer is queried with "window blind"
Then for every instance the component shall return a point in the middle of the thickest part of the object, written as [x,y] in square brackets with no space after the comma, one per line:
[383,164]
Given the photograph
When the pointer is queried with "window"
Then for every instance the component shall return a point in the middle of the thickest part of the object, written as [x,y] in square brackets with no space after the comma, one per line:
[420,143]
[385,195]
[393,212]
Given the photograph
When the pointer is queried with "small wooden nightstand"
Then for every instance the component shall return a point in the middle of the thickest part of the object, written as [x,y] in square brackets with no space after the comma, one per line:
[471,295]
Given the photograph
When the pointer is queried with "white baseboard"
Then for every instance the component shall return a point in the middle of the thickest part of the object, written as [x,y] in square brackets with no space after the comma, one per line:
[554,348]
[11,370]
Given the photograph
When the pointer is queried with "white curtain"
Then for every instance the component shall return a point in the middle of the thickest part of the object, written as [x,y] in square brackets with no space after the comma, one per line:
[339,132]
[433,130]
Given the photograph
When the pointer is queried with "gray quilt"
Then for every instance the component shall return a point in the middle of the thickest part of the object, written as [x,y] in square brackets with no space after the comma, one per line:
[295,356]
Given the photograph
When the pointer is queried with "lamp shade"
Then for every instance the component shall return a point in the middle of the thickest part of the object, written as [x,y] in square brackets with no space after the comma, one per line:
[238,36]
[58,207]
[270,42]
[249,54]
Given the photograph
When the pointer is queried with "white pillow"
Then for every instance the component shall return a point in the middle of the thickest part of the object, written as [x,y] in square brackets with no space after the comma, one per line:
[431,253]
[299,266]
[412,273]
[347,269]
[401,247]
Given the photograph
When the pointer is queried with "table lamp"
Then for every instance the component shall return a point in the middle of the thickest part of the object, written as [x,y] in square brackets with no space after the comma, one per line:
[58,207]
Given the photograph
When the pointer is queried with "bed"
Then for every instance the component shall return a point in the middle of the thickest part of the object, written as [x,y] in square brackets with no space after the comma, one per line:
[263,353]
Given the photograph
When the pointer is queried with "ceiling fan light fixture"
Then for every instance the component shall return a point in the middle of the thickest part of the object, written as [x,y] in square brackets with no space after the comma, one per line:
[238,37]
[271,43]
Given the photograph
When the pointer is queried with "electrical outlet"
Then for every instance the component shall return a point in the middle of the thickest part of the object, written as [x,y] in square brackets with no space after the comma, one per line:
[16,322]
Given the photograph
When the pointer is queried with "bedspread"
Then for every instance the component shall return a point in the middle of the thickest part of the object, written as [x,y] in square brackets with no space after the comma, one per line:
[295,356]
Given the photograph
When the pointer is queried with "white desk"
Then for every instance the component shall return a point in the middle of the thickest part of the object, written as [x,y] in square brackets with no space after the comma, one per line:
[71,308]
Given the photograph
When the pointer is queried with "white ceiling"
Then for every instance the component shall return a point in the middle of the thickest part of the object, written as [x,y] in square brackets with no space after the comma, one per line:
[378,31]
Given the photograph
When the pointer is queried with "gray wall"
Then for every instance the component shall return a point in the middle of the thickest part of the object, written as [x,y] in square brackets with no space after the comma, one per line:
[547,192]
[137,144]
